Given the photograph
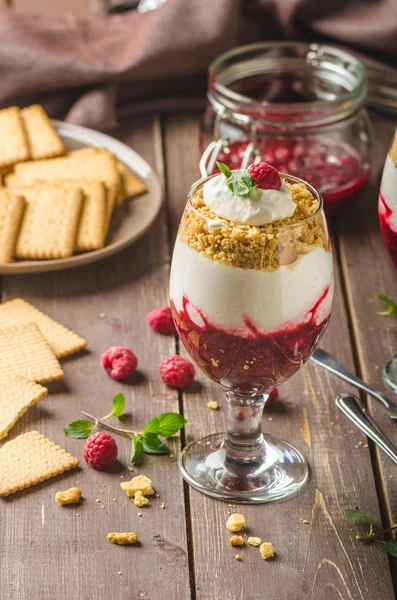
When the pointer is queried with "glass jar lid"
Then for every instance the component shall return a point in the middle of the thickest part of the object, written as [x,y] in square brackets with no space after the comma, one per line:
[285,85]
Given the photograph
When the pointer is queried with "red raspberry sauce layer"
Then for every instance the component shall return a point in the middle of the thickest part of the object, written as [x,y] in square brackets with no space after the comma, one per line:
[335,170]
[389,234]
[257,362]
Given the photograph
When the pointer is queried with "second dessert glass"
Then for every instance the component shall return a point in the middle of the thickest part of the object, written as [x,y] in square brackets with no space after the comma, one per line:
[250,305]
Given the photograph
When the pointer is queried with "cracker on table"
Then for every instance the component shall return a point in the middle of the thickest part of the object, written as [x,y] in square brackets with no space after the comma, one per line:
[87,163]
[17,394]
[62,341]
[43,140]
[131,185]
[14,145]
[12,207]
[29,459]
[49,228]
[25,351]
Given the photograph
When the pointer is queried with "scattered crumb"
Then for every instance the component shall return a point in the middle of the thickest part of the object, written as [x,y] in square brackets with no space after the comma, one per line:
[360,443]
[355,445]
[141,483]
[121,476]
[119,573]
[77,514]
[237,557]
[113,499]
[139,514]
[71,496]
[103,508]
[97,500]
[213,405]
[266,549]
[236,540]
[162,505]
[270,419]
[332,423]
[305,522]
[102,315]
[235,522]
[123,539]
[171,456]
[157,495]
[130,468]
[140,500]
[366,446]
[254,541]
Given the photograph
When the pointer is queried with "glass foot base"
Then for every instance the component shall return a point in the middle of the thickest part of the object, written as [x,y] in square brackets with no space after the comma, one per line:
[280,471]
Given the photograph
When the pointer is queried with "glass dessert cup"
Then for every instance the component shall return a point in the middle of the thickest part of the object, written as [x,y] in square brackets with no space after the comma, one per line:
[387,212]
[296,106]
[250,305]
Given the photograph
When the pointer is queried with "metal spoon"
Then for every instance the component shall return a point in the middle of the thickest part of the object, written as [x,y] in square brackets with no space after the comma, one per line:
[322,358]
[354,409]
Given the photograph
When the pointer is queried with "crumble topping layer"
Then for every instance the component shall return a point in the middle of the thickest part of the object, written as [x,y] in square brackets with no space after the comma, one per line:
[252,247]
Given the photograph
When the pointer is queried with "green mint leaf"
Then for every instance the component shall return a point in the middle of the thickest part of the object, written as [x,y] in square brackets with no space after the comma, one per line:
[153,445]
[391,307]
[136,449]
[357,514]
[118,405]
[391,547]
[224,169]
[79,429]
[240,184]
[166,424]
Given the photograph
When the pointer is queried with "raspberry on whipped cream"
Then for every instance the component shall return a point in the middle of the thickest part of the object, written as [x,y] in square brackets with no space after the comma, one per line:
[257,207]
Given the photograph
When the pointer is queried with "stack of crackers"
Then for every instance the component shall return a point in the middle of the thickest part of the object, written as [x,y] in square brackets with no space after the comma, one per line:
[31,344]
[54,203]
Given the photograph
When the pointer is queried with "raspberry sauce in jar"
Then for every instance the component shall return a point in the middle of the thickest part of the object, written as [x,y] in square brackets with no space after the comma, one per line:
[296,106]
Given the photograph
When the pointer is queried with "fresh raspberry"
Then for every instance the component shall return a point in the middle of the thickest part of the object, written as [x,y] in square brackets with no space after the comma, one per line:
[100,450]
[177,372]
[266,176]
[119,362]
[160,319]
[272,397]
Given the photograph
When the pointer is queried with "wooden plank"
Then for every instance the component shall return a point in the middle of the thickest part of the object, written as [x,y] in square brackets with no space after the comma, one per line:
[317,560]
[49,551]
[367,273]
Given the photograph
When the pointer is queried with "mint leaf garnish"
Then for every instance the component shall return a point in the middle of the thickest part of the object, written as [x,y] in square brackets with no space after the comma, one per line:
[79,429]
[136,449]
[357,514]
[391,547]
[391,307]
[166,424]
[240,184]
[153,445]
[118,405]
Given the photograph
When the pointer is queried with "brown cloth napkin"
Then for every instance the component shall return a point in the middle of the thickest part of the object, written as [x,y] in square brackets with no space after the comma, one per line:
[85,69]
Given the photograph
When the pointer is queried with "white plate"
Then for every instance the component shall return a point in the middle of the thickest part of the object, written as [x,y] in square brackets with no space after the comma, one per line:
[137,215]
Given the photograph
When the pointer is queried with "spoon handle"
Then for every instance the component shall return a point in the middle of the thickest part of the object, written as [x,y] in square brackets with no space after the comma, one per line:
[354,409]
[323,359]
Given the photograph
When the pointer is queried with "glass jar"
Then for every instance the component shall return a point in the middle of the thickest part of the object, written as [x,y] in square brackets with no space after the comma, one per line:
[297,106]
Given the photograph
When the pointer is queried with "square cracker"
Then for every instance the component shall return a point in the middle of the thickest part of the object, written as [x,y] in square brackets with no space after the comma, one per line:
[17,394]
[87,163]
[131,185]
[14,145]
[49,228]
[43,140]
[24,351]
[12,207]
[62,341]
[29,459]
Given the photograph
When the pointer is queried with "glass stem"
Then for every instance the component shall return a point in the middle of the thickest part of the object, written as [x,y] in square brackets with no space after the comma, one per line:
[244,440]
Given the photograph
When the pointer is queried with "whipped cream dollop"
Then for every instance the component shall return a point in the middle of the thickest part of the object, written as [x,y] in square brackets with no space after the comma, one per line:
[258,208]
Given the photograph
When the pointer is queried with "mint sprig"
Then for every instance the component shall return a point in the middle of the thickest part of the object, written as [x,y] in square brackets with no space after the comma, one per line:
[147,441]
[391,307]
[240,184]
[390,546]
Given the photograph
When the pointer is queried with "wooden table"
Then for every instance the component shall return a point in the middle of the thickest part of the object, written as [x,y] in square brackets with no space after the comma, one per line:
[49,552]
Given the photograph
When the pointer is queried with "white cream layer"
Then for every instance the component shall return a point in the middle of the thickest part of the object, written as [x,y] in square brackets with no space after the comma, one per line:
[225,295]
[389,189]
[258,208]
